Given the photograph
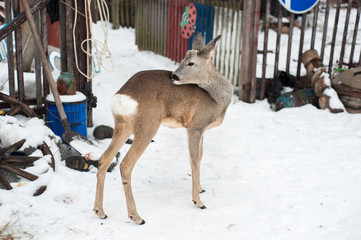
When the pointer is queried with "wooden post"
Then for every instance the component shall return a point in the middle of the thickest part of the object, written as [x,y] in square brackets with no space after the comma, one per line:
[354,38]
[10,51]
[314,26]
[255,50]
[62,25]
[343,45]
[245,72]
[289,47]
[115,14]
[39,96]
[325,26]
[44,34]
[19,55]
[265,47]
[278,41]
[334,35]
[300,51]
[69,36]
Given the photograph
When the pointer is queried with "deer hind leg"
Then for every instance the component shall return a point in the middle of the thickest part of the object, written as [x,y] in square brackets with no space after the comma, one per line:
[121,134]
[140,143]
[195,144]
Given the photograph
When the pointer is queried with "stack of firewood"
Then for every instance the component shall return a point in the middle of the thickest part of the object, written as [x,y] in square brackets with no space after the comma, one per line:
[319,79]
[347,86]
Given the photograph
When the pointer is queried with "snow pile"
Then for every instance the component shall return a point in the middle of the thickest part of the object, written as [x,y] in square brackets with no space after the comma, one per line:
[34,131]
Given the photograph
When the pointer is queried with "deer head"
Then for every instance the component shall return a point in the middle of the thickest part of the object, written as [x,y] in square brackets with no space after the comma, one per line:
[196,67]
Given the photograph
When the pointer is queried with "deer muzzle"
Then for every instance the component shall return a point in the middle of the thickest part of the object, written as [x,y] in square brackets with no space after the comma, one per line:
[174,79]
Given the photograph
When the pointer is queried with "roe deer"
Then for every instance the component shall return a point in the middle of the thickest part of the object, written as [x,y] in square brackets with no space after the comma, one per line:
[195,96]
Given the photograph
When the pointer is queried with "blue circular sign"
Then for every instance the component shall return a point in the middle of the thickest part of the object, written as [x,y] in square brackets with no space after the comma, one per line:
[298,6]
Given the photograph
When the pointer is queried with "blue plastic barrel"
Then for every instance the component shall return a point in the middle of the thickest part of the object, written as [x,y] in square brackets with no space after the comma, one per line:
[75,107]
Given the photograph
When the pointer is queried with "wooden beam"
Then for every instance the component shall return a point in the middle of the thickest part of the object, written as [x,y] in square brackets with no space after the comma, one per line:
[21,18]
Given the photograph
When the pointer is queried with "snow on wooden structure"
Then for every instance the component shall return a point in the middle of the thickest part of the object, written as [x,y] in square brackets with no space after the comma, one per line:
[38,9]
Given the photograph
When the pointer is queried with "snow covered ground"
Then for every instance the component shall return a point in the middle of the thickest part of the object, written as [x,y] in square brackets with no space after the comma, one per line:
[294,174]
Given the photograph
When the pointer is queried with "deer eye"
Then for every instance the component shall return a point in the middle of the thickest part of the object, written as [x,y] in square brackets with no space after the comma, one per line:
[190,64]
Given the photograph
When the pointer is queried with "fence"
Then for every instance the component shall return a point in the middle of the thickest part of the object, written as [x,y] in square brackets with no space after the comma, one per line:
[161,26]
[123,13]
[333,33]
[331,28]
[39,10]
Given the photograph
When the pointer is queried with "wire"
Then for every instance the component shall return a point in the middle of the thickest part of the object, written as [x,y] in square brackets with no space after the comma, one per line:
[100,51]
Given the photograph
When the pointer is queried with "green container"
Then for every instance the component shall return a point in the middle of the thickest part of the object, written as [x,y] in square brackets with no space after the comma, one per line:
[66,84]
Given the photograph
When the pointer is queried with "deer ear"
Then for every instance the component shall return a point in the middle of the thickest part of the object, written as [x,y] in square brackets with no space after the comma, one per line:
[209,49]
[198,42]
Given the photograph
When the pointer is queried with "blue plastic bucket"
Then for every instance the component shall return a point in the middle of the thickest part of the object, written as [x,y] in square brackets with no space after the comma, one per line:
[75,107]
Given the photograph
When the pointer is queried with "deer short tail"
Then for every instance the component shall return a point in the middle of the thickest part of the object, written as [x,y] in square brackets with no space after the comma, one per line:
[123,105]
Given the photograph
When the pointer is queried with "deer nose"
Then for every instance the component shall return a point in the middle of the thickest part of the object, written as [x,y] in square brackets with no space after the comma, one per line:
[174,77]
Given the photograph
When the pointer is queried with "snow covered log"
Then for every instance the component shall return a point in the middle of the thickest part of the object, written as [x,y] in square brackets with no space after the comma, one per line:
[327,97]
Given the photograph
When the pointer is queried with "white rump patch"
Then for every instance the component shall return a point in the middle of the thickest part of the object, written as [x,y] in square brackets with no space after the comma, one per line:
[123,105]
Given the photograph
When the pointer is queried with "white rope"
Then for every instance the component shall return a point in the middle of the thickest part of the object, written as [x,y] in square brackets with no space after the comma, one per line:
[100,51]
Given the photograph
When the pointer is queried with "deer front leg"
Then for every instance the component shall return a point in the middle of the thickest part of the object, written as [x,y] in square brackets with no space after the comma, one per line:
[195,142]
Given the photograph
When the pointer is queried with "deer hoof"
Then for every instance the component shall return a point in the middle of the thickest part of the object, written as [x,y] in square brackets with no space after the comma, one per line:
[202,191]
[201,207]
[137,220]
[100,214]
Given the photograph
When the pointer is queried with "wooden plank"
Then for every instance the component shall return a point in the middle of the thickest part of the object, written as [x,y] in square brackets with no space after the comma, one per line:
[169,30]
[226,41]
[278,40]
[146,24]
[255,50]
[343,44]
[266,23]
[19,55]
[244,75]
[38,66]
[165,26]
[325,27]
[80,35]
[62,23]
[10,51]
[314,26]
[44,34]
[20,18]
[158,26]
[136,23]
[354,38]
[169,20]
[128,14]
[141,25]
[238,44]
[132,13]
[180,38]
[223,46]
[334,36]
[176,36]
[69,37]
[300,51]
[216,32]
[115,13]
[289,46]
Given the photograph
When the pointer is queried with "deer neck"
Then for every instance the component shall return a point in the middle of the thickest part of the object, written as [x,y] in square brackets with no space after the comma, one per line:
[219,88]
